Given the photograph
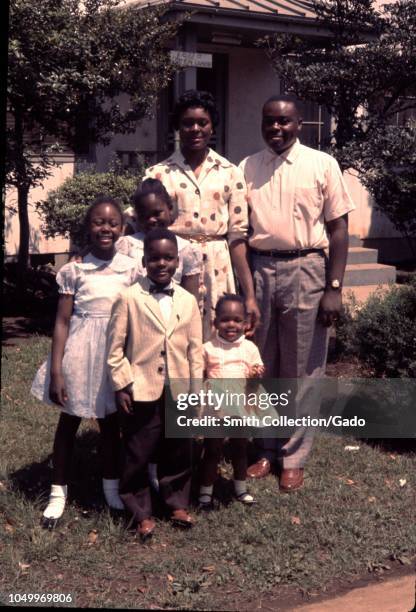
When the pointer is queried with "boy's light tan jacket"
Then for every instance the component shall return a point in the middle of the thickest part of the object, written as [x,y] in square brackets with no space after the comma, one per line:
[142,348]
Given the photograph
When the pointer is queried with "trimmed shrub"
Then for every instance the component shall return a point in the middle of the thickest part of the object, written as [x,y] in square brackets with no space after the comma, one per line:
[382,334]
[64,209]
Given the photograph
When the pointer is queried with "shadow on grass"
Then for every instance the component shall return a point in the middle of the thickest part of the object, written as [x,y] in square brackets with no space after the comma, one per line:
[400,446]
[84,487]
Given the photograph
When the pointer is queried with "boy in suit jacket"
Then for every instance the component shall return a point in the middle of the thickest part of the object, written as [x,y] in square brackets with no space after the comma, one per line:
[155,336]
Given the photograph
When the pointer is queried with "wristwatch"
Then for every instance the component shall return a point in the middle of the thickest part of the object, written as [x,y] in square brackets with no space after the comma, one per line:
[335,284]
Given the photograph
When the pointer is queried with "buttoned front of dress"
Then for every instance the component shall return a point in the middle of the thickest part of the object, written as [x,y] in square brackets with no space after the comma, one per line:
[215,203]
[212,212]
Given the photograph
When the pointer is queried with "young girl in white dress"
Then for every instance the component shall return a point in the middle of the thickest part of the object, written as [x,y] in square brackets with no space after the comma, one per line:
[75,374]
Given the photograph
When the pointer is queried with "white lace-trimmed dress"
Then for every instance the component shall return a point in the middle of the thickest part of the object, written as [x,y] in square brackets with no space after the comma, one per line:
[94,283]
[190,259]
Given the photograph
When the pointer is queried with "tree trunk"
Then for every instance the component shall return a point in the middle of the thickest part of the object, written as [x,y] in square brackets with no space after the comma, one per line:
[22,200]
[24,232]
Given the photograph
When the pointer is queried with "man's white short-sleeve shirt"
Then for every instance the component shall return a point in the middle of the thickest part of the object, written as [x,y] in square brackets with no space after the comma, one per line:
[292,196]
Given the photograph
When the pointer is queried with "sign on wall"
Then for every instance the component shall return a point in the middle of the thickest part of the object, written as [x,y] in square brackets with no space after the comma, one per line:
[189,59]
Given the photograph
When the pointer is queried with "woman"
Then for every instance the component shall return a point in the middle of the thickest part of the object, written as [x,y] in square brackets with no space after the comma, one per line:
[210,197]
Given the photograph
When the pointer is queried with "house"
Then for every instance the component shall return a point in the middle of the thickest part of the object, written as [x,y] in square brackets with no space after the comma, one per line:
[217,46]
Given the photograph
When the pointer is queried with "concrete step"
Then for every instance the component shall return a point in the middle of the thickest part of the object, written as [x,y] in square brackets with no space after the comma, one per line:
[369,274]
[357,255]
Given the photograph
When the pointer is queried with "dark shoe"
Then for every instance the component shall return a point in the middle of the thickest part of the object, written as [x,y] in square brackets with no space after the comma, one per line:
[146,528]
[48,523]
[291,480]
[182,518]
[261,469]
[207,504]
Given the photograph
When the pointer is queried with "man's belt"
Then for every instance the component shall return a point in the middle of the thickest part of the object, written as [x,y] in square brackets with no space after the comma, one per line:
[200,238]
[291,253]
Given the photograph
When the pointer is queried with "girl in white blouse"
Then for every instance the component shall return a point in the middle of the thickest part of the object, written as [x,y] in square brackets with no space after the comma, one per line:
[153,208]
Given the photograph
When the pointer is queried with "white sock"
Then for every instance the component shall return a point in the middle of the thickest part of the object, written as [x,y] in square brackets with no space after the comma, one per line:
[240,488]
[56,504]
[152,472]
[205,494]
[110,488]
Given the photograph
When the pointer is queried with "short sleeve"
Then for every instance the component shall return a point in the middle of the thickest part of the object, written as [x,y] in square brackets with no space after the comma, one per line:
[66,279]
[254,356]
[237,207]
[136,273]
[191,260]
[129,218]
[337,200]
[122,245]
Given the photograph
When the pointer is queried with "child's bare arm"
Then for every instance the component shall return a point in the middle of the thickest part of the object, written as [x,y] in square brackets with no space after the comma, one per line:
[191,284]
[196,362]
[57,391]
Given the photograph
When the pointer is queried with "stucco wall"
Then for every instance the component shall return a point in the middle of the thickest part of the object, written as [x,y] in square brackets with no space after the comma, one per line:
[38,242]
[365,221]
[143,139]
[251,82]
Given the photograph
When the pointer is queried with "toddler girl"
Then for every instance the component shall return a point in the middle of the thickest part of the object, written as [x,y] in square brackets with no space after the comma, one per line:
[229,355]
[75,375]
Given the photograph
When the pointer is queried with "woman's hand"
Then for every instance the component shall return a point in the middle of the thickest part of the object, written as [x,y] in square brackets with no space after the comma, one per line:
[57,393]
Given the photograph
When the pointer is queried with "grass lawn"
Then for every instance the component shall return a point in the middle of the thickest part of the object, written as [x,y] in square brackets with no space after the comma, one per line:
[354,515]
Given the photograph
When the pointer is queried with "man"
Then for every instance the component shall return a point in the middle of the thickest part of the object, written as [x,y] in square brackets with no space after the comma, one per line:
[299,206]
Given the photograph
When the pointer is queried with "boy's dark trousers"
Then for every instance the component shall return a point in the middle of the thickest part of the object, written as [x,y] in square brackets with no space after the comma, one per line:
[143,435]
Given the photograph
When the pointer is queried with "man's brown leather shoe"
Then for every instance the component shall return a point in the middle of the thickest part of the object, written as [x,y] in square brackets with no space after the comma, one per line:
[291,480]
[182,518]
[260,469]
[146,528]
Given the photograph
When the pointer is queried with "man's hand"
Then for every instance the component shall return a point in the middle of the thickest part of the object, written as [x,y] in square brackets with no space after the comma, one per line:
[253,316]
[330,307]
[57,393]
[124,400]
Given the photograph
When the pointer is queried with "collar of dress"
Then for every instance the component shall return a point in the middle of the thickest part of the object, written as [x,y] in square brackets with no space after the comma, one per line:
[212,159]
[237,342]
[119,263]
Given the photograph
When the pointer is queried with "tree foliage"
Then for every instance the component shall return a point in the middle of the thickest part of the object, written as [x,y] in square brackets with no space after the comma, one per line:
[65,207]
[68,63]
[362,69]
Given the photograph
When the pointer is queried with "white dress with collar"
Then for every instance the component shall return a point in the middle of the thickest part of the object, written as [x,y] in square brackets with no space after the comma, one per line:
[94,283]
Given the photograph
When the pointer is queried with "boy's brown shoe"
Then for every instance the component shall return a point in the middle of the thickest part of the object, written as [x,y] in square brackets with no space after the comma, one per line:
[260,469]
[146,528]
[182,518]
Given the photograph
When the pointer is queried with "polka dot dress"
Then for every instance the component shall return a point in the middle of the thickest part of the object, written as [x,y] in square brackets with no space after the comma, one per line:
[213,205]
